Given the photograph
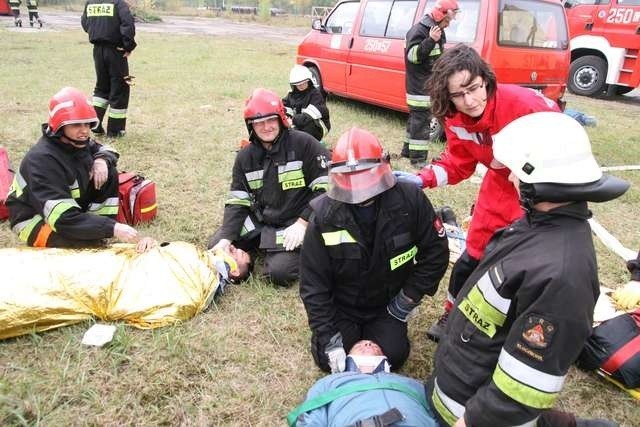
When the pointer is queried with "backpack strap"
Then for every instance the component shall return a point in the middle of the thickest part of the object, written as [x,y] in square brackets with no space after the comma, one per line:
[331,395]
[624,353]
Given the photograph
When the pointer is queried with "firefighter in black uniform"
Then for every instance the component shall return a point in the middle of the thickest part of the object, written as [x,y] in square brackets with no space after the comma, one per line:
[32,7]
[65,193]
[15,9]
[423,45]
[111,31]
[274,178]
[306,105]
[524,314]
[373,249]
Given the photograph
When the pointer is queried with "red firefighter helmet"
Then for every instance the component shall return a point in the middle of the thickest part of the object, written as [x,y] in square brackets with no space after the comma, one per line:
[263,104]
[70,106]
[359,168]
[443,8]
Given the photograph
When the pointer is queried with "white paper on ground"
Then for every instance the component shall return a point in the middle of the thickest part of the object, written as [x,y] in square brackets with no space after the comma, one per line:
[98,335]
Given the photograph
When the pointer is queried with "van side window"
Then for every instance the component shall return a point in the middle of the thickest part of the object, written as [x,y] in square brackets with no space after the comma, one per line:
[401,18]
[342,17]
[388,18]
[527,24]
[463,29]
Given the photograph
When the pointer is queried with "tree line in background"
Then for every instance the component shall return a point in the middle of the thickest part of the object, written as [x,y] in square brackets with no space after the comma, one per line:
[296,7]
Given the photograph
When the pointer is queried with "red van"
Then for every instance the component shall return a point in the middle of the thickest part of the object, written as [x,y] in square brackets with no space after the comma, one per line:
[605,46]
[357,50]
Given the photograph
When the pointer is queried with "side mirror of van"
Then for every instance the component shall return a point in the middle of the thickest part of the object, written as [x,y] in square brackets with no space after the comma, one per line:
[316,24]
[568,4]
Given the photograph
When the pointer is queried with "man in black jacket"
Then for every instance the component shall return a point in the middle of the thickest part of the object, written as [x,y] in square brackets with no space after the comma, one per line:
[111,31]
[424,44]
[273,180]
[373,249]
[524,314]
[65,193]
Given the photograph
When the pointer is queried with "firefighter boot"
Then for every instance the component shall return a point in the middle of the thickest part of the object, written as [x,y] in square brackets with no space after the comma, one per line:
[18,22]
[40,22]
[418,158]
[405,150]
[31,23]
[447,216]
[583,422]
[100,112]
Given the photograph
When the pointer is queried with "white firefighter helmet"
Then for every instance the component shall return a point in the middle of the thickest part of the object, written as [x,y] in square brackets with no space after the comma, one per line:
[547,147]
[298,74]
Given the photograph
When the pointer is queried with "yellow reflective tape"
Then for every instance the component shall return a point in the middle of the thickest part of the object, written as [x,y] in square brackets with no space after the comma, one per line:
[254,185]
[288,185]
[107,210]
[334,238]
[75,193]
[103,9]
[474,315]
[290,175]
[488,311]
[56,212]
[522,393]
[26,231]
[241,202]
[403,258]
[444,412]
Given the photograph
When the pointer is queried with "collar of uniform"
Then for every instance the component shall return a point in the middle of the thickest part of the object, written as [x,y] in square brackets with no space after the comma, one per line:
[577,210]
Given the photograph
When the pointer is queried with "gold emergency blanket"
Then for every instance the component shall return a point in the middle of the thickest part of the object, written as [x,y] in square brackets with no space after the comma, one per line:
[42,289]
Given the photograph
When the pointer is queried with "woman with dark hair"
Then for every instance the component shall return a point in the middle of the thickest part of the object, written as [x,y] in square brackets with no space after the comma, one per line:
[466,97]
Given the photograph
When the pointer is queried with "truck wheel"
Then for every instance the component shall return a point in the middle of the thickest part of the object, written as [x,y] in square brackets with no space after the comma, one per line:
[317,79]
[436,131]
[587,75]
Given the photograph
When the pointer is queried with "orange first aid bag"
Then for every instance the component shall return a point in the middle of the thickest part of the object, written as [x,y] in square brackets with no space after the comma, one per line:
[6,176]
[137,199]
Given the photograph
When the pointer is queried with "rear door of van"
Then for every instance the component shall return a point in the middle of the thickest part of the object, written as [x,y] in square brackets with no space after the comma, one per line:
[528,44]
[375,69]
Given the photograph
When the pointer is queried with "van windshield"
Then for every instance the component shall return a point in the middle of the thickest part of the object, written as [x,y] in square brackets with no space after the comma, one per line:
[534,24]
[463,29]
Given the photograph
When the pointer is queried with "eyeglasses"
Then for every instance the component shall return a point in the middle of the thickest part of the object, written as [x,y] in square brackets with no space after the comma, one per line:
[471,90]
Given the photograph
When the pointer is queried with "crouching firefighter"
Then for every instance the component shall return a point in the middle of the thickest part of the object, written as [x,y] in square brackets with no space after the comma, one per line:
[305,104]
[273,180]
[65,193]
[373,249]
[524,314]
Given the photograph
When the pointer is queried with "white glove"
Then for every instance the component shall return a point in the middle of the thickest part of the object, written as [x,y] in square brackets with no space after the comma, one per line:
[337,359]
[294,234]
[222,245]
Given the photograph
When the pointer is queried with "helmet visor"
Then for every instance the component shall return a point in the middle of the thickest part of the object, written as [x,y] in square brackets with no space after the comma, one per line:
[359,183]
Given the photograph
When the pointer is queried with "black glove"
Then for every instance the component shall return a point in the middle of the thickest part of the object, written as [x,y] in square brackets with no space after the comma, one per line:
[401,306]
[302,120]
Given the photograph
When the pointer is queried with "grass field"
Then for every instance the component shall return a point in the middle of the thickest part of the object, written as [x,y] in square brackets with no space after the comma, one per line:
[245,360]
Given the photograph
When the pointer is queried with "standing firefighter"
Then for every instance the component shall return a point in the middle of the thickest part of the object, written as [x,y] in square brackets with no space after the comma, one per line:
[111,30]
[15,9]
[32,7]
[424,44]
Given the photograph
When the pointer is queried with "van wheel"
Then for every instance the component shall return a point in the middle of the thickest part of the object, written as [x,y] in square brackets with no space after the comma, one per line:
[317,79]
[587,75]
[436,130]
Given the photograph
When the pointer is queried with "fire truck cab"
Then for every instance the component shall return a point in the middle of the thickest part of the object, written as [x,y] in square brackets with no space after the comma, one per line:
[605,42]
[357,50]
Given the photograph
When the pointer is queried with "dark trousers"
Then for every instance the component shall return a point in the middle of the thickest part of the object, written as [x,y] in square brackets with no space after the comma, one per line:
[281,267]
[389,333]
[416,146]
[43,236]
[112,90]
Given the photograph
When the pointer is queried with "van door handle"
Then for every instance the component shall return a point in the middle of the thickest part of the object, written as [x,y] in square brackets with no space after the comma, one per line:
[589,26]
[351,43]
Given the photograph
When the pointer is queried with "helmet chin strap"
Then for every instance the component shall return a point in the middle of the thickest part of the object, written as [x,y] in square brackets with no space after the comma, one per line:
[76,143]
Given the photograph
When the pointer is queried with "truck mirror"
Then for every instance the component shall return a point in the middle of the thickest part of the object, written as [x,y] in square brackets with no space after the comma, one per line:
[568,4]
[316,24]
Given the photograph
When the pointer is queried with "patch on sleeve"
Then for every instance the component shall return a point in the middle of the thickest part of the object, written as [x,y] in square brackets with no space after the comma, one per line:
[437,224]
[537,332]
[322,161]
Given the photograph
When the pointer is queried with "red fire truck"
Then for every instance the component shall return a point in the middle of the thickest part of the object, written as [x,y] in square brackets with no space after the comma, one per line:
[605,43]
[357,50]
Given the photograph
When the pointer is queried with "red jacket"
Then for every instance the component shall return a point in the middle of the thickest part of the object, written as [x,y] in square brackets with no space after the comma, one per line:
[469,142]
